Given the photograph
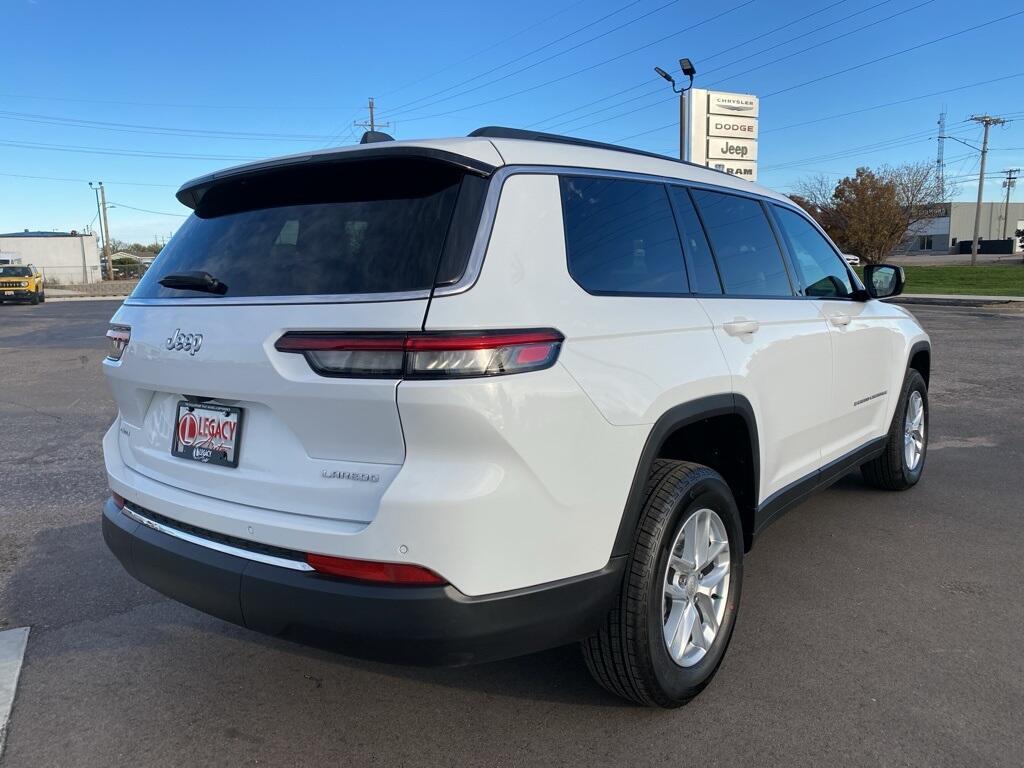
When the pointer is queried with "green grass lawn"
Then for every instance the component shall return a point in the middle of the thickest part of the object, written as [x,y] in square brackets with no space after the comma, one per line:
[982,280]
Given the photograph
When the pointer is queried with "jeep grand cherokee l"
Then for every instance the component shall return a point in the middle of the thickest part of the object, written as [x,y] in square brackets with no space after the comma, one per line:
[457,400]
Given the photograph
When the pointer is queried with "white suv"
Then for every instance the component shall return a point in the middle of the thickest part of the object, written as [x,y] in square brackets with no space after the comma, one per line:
[457,400]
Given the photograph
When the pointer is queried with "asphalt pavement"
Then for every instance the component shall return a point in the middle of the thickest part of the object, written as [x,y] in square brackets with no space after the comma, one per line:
[875,628]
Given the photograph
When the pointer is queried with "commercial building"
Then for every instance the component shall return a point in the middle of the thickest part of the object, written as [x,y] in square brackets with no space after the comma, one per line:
[955,225]
[63,257]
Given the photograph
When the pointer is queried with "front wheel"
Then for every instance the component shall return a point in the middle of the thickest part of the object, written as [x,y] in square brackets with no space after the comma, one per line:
[899,466]
[663,641]
[35,299]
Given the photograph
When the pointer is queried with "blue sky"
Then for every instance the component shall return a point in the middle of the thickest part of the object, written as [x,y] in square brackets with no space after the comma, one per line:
[144,96]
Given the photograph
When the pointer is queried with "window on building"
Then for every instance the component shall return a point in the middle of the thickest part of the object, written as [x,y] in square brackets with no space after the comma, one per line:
[621,237]
[745,248]
[924,243]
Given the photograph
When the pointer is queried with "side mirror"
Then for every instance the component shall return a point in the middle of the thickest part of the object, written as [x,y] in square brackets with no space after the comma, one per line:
[884,280]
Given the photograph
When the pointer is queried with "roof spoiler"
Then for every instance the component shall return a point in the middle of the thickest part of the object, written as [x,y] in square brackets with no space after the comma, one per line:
[191,192]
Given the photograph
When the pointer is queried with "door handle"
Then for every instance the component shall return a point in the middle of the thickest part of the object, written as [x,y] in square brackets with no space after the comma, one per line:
[839,320]
[741,327]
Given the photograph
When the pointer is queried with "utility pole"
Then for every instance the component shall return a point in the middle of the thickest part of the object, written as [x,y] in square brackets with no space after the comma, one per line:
[940,163]
[1010,183]
[372,124]
[988,121]
[101,211]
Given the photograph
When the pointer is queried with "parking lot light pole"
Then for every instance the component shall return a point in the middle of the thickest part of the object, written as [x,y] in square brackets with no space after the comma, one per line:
[687,68]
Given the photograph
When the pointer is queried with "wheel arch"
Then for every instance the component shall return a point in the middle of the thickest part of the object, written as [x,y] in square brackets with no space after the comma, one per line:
[920,359]
[672,437]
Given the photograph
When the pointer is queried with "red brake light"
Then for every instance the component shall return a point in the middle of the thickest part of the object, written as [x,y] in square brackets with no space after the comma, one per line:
[377,572]
[425,355]
[118,500]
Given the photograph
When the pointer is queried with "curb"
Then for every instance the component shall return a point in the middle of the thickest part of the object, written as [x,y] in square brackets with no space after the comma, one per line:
[966,301]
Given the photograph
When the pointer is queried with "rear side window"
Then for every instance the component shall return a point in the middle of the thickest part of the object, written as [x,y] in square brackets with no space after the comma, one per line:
[747,253]
[377,226]
[822,271]
[621,237]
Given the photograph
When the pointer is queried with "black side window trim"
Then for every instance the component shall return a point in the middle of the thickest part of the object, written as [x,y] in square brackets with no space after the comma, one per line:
[690,269]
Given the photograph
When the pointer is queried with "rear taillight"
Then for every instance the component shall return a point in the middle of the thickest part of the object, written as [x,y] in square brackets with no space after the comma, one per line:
[119,335]
[374,571]
[425,355]
[118,499]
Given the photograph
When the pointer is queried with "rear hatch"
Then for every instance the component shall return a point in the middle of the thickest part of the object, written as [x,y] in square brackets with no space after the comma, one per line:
[342,245]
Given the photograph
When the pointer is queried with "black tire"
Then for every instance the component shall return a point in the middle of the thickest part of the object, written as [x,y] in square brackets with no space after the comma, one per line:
[35,299]
[42,297]
[628,656]
[889,470]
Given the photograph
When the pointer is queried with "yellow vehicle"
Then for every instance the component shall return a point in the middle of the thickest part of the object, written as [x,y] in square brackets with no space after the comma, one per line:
[21,283]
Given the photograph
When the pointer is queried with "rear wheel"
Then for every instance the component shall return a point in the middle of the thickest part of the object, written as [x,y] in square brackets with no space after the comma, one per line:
[899,466]
[663,641]
[42,297]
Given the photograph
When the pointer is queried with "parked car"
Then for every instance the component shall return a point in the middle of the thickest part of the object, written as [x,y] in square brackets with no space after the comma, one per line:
[524,391]
[22,283]
[853,261]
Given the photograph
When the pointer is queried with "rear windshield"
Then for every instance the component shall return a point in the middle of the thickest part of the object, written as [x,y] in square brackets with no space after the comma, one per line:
[15,272]
[377,226]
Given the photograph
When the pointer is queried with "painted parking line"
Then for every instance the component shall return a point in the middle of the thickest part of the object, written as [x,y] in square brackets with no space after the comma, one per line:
[12,651]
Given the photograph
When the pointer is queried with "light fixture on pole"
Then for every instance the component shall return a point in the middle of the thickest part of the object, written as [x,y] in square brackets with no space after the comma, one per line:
[687,68]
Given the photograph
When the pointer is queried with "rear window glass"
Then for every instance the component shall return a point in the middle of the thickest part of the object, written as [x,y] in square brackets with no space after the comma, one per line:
[621,237]
[377,226]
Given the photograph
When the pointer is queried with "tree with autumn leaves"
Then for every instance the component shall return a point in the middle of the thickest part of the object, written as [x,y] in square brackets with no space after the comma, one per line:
[870,213]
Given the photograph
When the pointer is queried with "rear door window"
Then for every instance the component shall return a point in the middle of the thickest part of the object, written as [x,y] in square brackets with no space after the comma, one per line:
[821,270]
[366,227]
[621,237]
[747,253]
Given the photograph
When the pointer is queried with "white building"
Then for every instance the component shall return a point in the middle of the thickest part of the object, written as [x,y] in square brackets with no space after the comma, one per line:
[63,257]
[948,233]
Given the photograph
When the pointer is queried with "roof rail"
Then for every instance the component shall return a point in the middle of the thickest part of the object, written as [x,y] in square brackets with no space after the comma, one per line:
[501,132]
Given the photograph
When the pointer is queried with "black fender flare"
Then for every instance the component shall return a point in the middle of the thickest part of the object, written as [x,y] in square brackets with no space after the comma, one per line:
[921,346]
[680,416]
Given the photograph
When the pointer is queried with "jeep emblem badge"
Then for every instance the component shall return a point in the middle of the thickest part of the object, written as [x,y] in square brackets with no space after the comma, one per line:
[184,342]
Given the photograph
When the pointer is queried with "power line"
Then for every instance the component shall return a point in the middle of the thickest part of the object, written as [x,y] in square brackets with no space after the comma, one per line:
[407,107]
[816,45]
[80,100]
[156,129]
[487,49]
[660,88]
[86,181]
[675,124]
[120,152]
[584,69]
[897,102]
[146,210]
[892,55]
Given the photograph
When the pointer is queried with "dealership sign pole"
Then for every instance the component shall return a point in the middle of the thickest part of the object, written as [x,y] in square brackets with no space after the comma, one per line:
[719,130]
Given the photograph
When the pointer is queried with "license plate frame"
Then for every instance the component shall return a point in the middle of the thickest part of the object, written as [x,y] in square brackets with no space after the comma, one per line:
[206,442]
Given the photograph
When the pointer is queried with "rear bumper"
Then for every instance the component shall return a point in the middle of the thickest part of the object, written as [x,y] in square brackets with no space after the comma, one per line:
[413,625]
